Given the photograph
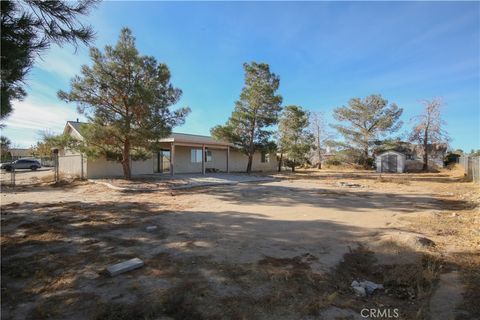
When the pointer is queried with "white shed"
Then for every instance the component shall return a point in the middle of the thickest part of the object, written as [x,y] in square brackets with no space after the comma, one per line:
[390,161]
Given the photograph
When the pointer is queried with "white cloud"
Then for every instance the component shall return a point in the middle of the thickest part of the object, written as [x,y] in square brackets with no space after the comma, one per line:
[29,118]
[63,61]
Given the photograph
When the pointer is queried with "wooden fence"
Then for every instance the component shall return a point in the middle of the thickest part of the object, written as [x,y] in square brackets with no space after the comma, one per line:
[472,167]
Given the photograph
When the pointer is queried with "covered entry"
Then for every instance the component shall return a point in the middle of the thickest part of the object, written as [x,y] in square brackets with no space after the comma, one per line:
[185,153]
[390,161]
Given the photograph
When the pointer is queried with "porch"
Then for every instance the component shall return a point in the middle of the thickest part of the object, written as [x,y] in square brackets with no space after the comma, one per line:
[190,154]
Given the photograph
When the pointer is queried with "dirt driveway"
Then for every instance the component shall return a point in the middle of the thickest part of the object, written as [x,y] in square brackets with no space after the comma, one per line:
[284,249]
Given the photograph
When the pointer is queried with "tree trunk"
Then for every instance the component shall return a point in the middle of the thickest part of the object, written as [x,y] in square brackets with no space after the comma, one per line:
[365,158]
[126,160]
[280,162]
[293,168]
[425,151]
[319,150]
[249,165]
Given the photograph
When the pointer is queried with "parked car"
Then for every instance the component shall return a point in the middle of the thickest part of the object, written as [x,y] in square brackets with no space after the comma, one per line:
[21,164]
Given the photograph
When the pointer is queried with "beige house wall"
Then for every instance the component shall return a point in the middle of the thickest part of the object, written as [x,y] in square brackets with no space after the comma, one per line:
[102,168]
[239,161]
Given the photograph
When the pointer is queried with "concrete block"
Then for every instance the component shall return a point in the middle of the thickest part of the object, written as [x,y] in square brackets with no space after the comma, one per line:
[125,266]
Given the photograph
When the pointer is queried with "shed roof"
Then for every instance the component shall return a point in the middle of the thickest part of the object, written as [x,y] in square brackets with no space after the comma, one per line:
[391,151]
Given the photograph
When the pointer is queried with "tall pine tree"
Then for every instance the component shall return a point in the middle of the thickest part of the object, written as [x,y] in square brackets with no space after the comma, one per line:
[366,120]
[258,108]
[127,99]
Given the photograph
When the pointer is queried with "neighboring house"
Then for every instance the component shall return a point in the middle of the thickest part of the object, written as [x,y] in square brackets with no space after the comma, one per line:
[178,153]
[18,153]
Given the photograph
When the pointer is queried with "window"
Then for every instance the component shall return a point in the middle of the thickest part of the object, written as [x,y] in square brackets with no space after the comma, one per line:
[196,155]
[208,156]
[265,157]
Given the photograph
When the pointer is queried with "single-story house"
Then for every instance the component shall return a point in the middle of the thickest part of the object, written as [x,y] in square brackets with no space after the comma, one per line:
[178,153]
[390,161]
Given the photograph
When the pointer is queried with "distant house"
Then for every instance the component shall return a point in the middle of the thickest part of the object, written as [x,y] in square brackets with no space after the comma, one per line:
[18,153]
[178,153]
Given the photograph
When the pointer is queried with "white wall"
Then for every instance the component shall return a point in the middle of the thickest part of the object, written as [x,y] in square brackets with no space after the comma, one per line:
[71,166]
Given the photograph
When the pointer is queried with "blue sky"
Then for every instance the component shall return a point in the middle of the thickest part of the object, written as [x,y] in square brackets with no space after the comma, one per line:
[324,52]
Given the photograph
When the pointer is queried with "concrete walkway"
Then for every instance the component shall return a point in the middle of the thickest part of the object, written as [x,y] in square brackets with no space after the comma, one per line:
[185,181]
[180,181]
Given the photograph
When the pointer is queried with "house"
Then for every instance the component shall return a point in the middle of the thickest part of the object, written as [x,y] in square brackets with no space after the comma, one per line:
[18,153]
[178,153]
[390,161]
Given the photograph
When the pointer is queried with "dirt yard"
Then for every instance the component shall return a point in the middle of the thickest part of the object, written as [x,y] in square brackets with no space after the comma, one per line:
[283,249]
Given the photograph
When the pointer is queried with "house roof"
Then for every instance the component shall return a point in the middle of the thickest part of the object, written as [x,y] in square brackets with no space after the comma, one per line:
[193,138]
[175,137]
[75,125]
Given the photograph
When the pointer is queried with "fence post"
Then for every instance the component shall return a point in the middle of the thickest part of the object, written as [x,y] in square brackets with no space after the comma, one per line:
[55,157]
[12,175]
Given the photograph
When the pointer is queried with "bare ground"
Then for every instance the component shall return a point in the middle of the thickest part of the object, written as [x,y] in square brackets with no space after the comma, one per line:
[287,249]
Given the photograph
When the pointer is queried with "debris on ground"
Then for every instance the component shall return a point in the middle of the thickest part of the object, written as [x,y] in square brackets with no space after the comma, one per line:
[125,266]
[349,184]
[151,228]
[364,288]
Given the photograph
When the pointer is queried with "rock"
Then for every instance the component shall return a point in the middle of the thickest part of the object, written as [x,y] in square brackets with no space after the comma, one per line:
[360,291]
[453,215]
[370,286]
[423,242]
[125,266]
[364,288]
[151,228]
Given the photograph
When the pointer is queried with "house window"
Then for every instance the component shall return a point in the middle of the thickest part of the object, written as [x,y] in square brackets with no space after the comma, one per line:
[208,156]
[265,157]
[196,155]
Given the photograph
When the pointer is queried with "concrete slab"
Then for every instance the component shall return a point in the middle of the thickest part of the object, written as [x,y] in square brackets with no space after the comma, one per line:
[185,181]
[125,266]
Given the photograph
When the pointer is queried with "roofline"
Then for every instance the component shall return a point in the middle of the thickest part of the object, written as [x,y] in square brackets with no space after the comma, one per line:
[170,138]
[69,123]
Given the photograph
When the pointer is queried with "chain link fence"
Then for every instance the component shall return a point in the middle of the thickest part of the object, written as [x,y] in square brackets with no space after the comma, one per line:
[25,177]
[471,166]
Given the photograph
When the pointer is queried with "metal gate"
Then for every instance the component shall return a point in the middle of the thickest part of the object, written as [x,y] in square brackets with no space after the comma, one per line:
[389,163]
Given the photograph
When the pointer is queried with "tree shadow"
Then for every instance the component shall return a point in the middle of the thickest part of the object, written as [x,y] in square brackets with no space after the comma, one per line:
[343,200]
[239,264]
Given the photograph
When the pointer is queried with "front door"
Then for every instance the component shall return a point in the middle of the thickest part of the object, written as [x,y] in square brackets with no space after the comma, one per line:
[161,161]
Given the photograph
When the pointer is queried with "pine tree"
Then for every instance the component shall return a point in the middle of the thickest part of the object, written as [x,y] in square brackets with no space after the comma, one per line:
[28,28]
[127,99]
[295,140]
[258,108]
[367,120]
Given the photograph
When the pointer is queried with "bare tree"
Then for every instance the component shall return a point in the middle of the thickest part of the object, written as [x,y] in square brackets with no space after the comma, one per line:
[318,127]
[428,127]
